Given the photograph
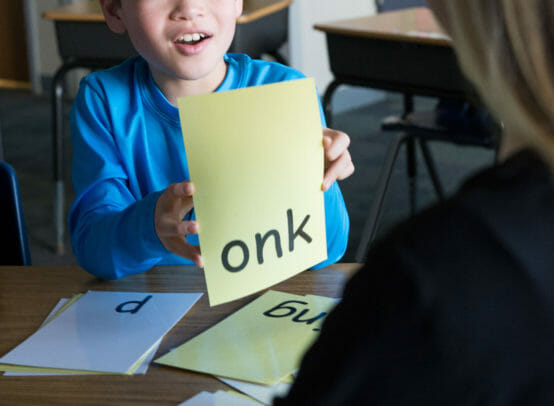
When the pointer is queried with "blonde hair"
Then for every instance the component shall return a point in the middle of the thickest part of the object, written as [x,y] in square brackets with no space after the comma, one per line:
[506,48]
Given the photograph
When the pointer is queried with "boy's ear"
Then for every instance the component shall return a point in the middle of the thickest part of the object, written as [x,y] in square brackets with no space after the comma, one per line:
[238,8]
[111,9]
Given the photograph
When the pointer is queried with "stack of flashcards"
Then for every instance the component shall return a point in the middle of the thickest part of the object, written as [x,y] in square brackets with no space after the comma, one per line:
[257,349]
[100,333]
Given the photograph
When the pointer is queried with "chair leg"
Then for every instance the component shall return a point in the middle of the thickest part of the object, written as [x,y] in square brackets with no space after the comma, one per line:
[432,169]
[57,153]
[411,167]
[372,221]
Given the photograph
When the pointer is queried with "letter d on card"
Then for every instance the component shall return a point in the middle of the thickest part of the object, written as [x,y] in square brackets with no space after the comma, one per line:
[255,157]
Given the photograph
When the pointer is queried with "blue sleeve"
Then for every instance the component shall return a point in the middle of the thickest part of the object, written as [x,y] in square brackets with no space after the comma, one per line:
[337,226]
[112,230]
[337,222]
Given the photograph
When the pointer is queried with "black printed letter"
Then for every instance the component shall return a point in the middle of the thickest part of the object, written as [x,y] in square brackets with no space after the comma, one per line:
[138,304]
[308,321]
[290,309]
[298,232]
[225,256]
[260,242]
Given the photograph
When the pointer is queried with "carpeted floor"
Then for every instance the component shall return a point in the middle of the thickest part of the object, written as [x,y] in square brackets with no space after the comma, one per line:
[25,123]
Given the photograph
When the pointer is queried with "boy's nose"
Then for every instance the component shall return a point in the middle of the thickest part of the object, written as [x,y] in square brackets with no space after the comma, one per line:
[187,9]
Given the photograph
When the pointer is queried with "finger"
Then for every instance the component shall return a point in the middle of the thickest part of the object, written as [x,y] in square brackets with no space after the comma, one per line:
[187,227]
[179,246]
[334,143]
[170,197]
[327,141]
[338,170]
[183,189]
[192,252]
[179,199]
[169,228]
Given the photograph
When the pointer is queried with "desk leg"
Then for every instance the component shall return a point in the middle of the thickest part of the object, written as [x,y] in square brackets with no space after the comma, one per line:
[411,158]
[327,98]
[411,169]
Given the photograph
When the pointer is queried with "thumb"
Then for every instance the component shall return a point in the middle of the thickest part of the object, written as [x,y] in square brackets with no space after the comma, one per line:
[183,189]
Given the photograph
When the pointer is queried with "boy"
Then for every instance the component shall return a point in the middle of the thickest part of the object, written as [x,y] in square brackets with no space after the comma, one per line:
[133,207]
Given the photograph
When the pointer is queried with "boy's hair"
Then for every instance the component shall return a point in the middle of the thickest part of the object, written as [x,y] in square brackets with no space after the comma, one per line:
[506,47]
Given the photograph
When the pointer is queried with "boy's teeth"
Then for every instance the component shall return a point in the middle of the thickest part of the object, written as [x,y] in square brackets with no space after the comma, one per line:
[192,37]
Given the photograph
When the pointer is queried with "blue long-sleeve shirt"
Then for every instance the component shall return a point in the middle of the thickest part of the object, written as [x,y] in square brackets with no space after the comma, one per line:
[128,147]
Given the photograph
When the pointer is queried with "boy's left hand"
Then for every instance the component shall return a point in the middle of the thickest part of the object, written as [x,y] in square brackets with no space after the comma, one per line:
[338,162]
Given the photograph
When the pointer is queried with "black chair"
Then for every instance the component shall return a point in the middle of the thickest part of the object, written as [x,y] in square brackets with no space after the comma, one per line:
[14,245]
[451,121]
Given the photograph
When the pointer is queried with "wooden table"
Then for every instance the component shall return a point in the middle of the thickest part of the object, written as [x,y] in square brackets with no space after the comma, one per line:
[85,41]
[27,294]
[404,51]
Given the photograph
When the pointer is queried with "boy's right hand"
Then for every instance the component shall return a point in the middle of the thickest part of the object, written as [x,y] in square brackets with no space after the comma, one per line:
[172,206]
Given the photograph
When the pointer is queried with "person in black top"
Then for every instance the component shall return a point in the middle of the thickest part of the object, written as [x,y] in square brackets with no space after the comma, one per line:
[456,305]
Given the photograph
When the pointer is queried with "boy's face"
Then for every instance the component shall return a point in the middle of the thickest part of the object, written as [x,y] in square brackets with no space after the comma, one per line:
[180,39]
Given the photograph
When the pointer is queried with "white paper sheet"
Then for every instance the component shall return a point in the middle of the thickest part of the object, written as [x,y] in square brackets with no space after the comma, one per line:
[223,398]
[103,331]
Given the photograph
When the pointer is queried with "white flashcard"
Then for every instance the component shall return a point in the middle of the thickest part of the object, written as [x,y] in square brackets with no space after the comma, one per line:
[53,313]
[103,331]
[262,393]
[223,398]
[140,370]
[143,367]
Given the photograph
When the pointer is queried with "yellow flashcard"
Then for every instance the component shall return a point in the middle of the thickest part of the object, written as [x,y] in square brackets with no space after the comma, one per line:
[263,342]
[255,157]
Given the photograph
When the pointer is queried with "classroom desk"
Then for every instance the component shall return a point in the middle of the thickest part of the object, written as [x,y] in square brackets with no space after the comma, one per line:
[27,294]
[404,51]
[84,41]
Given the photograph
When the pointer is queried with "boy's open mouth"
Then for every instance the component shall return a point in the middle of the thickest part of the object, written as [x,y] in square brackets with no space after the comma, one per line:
[191,39]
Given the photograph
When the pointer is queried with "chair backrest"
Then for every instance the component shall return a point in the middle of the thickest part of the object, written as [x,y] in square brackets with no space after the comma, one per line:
[390,5]
[14,245]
